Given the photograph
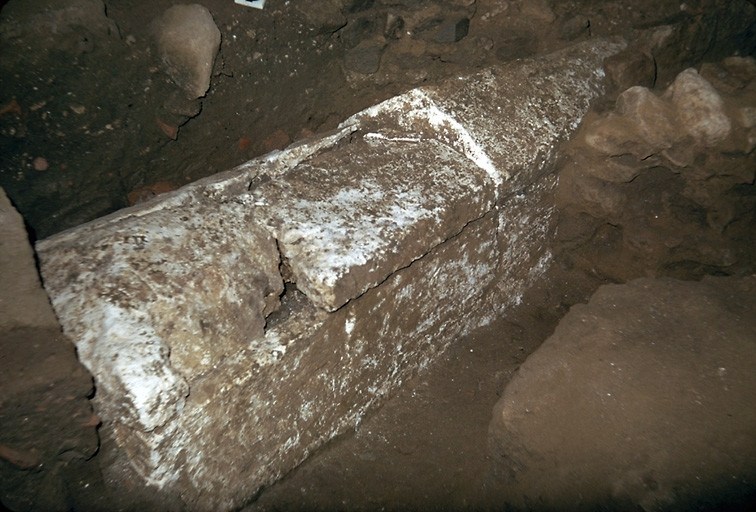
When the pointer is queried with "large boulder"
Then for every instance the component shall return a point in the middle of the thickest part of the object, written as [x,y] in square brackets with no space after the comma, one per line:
[641,399]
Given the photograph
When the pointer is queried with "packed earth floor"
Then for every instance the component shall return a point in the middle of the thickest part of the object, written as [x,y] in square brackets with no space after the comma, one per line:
[91,122]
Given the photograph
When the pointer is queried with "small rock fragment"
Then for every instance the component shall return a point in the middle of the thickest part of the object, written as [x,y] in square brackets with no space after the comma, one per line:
[147,192]
[279,139]
[183,107]
[485,43]
[11,107]
[171,130]
[324,17]
[40,164]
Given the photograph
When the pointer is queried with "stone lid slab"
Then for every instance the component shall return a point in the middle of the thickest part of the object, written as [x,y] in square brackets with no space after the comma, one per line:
[348,218]
[507,119]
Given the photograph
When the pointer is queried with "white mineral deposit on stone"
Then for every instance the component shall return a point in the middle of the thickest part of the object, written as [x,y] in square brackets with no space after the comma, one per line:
[340,236]
[306,411]
[380,136]
[255,4]
[349,325]
[296,153]
[162,462]
[131,351]
[440,120]
[265,351]
[423,108]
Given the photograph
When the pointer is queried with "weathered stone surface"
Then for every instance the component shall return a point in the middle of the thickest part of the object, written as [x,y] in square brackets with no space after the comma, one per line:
[653,119]
[525,231]
[577,26]
[211,381]
[644,124]
[509,134]
[188,41]
[613,136]
[325,372]
[345,220]
[670,365]
[509,131]
[47,421]
[157,300]
[699,107]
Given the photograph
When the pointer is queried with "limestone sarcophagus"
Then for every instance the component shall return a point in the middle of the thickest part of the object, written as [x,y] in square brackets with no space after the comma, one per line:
[235,325]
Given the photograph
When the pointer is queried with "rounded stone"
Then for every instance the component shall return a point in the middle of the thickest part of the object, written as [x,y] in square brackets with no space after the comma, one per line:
[188,41]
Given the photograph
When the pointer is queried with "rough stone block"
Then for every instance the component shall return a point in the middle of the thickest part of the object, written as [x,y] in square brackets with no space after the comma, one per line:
[652,118]
[631,67]
[659,425]
[525,230]
[452,30]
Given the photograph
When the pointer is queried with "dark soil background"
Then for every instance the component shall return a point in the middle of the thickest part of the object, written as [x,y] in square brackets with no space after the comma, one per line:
[89,124]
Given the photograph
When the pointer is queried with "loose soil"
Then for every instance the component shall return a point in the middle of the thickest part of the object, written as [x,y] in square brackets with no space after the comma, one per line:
[86,127]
